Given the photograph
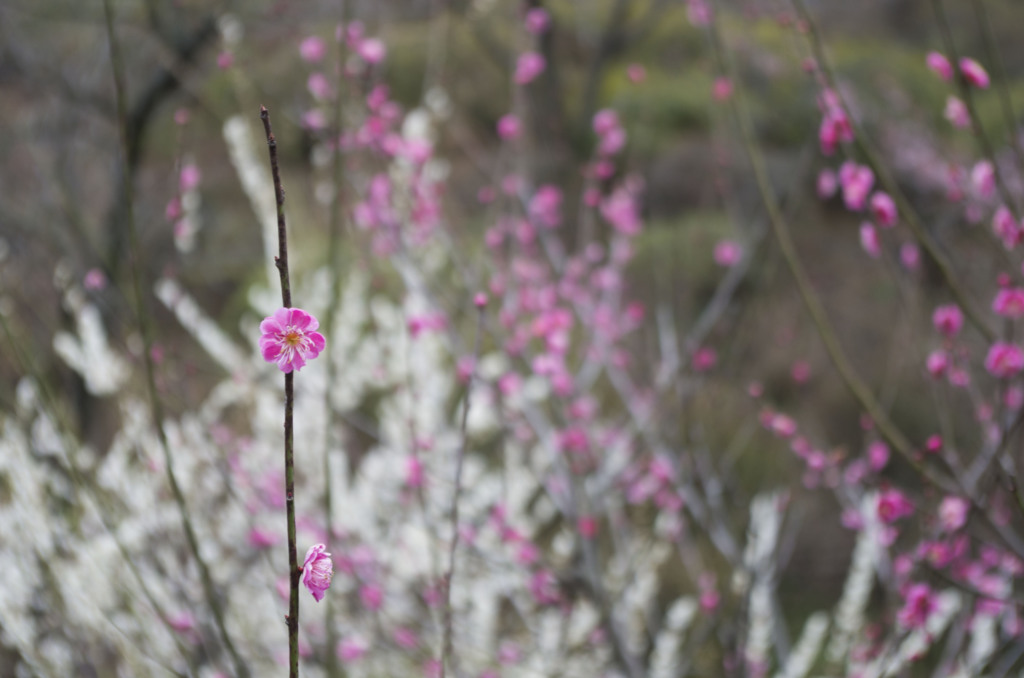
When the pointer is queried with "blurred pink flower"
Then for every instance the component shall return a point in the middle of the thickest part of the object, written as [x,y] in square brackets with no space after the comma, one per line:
[189,177]
[827,184]
[893,505]
[728,253]
[953,513]
[225,60]
[94,279]
[372,50]
[312,49]
[884,209]
[919,604]
[910,255]
[983,178]
[1009,302]
[856,181]
[1006,228]
[974,73]
[636,73]
[528,67]
[940,64]
[948,319]
[937,363]
[722,89]
[1004,360]
[537,21]
[956,113]
[290,338]
[869,240]
[317,570]
[508,127]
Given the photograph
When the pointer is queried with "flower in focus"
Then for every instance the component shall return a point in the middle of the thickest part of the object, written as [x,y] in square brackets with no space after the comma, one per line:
[317,570]
[289,338]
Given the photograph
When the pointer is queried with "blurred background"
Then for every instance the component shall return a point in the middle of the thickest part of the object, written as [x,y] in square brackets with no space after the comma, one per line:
[192,65]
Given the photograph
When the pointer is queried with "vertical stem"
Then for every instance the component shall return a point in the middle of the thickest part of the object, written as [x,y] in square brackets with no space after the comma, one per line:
[447,651]
[281,261]
[156,406]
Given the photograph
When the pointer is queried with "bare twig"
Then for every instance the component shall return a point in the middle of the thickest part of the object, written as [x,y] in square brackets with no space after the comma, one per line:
[156,406]
[447,651]
[281,261]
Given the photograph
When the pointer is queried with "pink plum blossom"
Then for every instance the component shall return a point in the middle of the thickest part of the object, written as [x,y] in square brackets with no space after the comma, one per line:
[893,505]
[722,89]
[372,51]
[317,570]
[698,12]
[940,65]
[948,319]
[953,513]
[910,256]
[878,455]
[856,181]
[728,253]
[869,240]
[289,338]
[919,604]
[537,21]
[312,49]
[189,177]
[351,649]
[827,184]
[528,67]
[319,86]
[983,178]
[1006,228]
[884,209]
[94,279]
[937,363]
[508,127]
[1009,302]
[956,112]
[1004,360]
[974,73]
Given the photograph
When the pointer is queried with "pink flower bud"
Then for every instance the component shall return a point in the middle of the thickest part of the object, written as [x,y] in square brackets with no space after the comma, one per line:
[317,570]
[940,65]
[948,319]
[508,127]
[956,112]
[728,253]
[974,73]
[869,240]
[884,209]
[537,21]
[528,67]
